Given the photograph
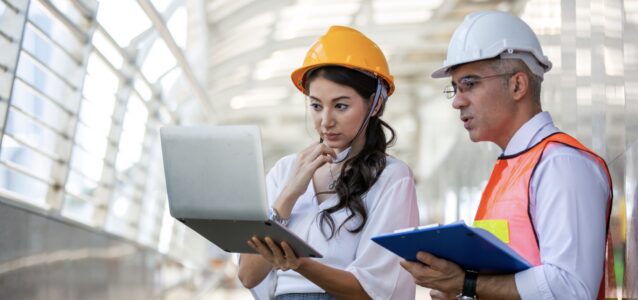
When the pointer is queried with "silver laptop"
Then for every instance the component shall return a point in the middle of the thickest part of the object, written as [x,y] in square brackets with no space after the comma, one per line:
[215,184]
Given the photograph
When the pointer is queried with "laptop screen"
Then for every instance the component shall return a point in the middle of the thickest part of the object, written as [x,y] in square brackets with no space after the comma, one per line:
[214,172]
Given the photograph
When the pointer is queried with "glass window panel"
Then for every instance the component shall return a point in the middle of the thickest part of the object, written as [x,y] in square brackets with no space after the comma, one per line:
[10,22]
[177,25]
[78,209]
[124,188]
[168,81]
[39,16]
[153,208]
[52,56]
[132,138]
[93,143]
[125,207]
[110,15]
[99,95]
[23,185]
[153,205]
[166,232]
[143,88]
[71,12]
[5,85]
[80,185]
[159,61]
[9,50]
[34,134]
[86,163]
[93,116]
[107,49]
[107,81]
[149,223]
[19,154]
[8,62]
[47,83]
[32,103]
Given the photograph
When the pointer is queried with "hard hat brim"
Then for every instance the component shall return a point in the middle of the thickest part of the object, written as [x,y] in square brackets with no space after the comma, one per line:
[298,75]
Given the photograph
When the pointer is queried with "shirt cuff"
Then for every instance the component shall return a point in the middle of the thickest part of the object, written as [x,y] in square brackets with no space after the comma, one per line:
[531,284]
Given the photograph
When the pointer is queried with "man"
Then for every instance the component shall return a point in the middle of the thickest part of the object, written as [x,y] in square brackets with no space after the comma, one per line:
[553,193]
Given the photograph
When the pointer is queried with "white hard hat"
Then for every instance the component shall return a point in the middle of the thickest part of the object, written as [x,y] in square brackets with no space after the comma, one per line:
[488,34]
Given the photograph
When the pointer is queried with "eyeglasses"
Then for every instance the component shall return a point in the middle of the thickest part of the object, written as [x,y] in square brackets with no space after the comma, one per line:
[467,83]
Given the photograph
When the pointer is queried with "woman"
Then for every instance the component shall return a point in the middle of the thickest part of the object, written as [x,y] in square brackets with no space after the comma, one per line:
[340,192]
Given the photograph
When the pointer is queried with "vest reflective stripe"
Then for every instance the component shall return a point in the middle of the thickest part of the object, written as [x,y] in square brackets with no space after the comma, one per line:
[506,195]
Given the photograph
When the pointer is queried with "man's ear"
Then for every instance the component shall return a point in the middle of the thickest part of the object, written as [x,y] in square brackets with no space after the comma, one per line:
[519,85]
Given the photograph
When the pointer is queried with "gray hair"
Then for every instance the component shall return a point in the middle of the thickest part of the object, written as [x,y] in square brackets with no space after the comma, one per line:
[503,66]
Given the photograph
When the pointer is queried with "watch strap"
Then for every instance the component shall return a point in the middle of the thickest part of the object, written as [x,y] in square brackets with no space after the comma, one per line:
[469,284]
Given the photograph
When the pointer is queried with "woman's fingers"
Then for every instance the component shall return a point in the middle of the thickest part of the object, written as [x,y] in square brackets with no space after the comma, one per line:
[288,252]
[319,161]
[310,154]
[278,255]
[262,249]
[291,258]
[319,156]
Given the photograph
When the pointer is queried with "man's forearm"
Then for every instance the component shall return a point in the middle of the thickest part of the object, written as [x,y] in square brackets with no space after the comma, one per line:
[497,287]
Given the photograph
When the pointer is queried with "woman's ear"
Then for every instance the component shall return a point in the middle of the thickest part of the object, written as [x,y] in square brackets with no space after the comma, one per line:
[377,110]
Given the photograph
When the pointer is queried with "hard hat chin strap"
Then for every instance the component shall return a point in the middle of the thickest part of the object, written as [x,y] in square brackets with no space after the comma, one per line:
[380,96]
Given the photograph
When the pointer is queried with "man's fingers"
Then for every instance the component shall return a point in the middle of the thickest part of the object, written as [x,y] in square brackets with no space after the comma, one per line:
[413,267]
[431,260]
[407,265]
[438,295]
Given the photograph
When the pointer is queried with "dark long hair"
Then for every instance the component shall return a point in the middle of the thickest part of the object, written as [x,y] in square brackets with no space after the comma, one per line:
[360,172]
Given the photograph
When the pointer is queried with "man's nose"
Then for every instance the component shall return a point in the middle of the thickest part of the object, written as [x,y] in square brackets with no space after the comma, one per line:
[459,101]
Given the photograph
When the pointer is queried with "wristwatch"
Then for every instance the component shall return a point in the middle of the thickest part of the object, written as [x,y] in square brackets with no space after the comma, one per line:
[277,217]
[469,286]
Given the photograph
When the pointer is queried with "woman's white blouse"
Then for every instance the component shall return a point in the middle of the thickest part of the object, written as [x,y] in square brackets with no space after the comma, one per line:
[390,203]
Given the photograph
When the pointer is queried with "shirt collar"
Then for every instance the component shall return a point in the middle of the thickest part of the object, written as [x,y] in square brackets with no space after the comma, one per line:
[532,132]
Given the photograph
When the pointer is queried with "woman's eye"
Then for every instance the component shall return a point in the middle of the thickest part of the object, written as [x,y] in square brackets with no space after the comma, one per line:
[315,106]
[341,106]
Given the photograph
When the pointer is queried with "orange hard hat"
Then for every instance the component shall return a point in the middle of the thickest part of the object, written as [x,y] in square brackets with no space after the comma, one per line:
[347,47]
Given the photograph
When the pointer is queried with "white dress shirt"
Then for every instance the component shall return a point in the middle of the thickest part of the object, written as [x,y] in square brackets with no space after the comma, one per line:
[568,201]
[390,203]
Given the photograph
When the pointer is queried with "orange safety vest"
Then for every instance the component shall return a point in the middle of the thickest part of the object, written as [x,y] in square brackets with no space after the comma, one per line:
[506,196]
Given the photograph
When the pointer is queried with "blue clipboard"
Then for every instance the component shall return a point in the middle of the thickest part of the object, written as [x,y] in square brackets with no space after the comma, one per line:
[471,248]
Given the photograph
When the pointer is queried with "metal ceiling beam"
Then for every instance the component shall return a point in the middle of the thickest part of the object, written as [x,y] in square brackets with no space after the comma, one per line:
[165,34]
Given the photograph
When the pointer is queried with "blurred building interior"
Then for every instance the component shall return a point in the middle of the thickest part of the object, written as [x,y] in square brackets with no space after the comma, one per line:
[85,86]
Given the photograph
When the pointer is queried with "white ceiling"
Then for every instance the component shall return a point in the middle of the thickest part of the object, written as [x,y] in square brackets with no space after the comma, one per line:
[253,46]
